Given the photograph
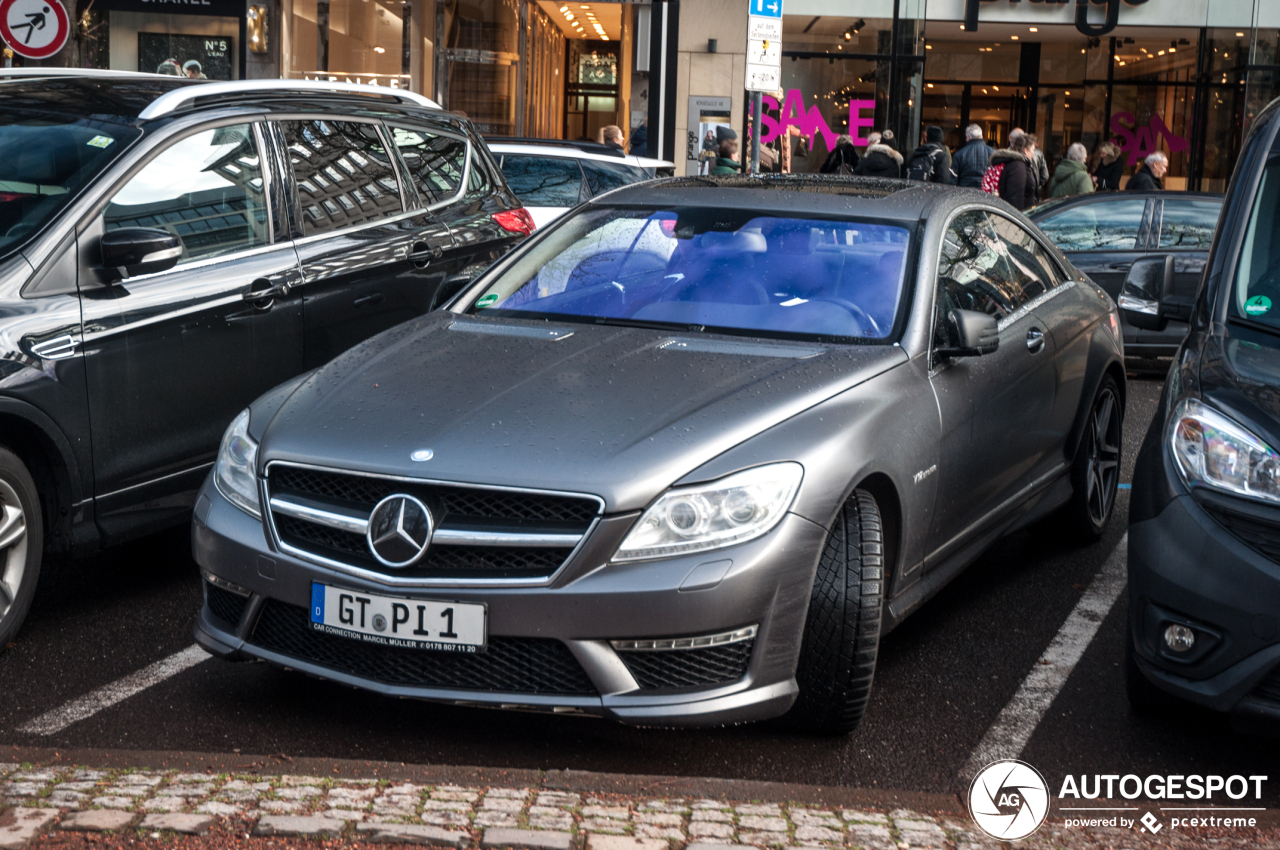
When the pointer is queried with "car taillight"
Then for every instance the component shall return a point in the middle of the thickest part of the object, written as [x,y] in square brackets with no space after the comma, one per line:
[515,221]
[14,196]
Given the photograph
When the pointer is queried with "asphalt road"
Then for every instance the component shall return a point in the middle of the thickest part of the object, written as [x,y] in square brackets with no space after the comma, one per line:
[943,677]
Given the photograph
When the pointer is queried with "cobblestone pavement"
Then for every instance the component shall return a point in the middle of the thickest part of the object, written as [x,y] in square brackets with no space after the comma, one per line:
[40,802]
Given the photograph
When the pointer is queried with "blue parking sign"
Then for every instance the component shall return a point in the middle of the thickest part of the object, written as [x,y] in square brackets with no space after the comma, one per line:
[767,8]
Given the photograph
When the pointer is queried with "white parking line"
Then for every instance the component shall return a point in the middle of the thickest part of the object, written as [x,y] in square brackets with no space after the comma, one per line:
[1012,729]
[106,696]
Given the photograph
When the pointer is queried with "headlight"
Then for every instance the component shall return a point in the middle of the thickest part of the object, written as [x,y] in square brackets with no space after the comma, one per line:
[235,473]
[735,509]
[1213,451]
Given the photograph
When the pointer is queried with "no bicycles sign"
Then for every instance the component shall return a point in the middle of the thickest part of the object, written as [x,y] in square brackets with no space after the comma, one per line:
[36,29]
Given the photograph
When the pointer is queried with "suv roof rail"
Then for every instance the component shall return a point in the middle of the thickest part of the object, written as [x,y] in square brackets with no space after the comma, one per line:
[16,73]
[171,102]
[585,147]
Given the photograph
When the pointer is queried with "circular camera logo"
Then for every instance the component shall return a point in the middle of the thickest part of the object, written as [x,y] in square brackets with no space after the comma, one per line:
[1009,800]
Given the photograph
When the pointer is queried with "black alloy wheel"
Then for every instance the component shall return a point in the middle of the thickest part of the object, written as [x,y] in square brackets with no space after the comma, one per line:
[1095,474]
[21,544]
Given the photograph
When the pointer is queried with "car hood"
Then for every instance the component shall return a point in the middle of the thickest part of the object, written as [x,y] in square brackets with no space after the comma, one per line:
[621,413]
[1240,377]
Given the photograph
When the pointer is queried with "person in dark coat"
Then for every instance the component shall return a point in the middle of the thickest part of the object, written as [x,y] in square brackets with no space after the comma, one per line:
[843,160]
[1019,186]
[880,159]
[935,156]
[971,161]
[727,161]
[639,141]
[1148,177]
[1110,168]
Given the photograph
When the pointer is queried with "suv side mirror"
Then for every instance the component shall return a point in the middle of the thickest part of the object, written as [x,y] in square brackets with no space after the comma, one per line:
[449,287]
[971,334]
[1146,287]
[140,250]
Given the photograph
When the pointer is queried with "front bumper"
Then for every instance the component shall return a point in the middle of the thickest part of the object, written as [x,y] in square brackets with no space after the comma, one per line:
[1186,568]
[768,584]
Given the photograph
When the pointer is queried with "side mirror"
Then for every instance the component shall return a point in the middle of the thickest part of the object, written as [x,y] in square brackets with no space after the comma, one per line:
[1146,287]
[449,287]
[971,334]
[140,250]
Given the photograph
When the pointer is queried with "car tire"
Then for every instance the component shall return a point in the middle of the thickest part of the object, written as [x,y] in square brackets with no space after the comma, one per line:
[1144,697]
[842,629]
[21,543]
[1095,472]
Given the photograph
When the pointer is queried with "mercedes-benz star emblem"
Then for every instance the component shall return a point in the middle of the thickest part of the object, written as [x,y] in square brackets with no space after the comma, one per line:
[399,530]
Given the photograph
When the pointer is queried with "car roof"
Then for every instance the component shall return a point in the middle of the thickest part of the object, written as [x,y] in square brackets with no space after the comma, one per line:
[126,96]
[856,197]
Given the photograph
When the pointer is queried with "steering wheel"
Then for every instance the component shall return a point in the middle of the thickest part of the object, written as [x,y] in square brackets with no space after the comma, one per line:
[861,316]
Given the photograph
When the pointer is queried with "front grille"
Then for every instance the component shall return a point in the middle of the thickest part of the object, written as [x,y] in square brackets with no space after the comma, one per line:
[225,605]
[1269,688]
[689,668]
[1258,534]
[510,665]
[452,507]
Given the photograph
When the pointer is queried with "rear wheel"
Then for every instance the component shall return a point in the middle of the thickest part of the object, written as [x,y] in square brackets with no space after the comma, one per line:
[21,544]
[1095,474]
[842,630]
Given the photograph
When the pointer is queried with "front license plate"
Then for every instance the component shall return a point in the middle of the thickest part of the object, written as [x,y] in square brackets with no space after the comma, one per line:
[393,621]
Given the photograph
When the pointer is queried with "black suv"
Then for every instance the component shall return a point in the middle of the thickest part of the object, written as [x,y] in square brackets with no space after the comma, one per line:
[1204,533]
[171,250]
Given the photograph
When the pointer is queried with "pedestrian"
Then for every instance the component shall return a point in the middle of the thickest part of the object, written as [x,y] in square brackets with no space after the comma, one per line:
[709,141]
[971,161]
[1106,176]
[931,161]
[640,140]
[193,70]
[727,160]
[1148,177]
[170,68]
[1038,164]
[880,159]
[1016,176]
[1071,177]
[611,137]
[843,159]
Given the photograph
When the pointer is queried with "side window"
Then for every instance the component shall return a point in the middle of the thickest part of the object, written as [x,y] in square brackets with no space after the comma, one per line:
[1034,270]
[436,163]
[604,176]
[1189,224]
[205,189]
[1103,226]
[543,181]
[478,179]
[343,173]
[973,273]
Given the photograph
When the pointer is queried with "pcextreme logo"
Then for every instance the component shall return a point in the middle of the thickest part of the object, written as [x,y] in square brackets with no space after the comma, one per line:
[1009,800]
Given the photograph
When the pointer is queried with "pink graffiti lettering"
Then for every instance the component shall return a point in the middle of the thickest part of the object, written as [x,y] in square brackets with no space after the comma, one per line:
[1139,142]
[809,122]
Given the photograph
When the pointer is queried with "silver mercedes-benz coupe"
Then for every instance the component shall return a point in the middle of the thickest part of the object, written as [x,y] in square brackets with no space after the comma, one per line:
[681,459]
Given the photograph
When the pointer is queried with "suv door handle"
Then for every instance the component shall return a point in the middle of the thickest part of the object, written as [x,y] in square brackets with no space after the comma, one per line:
[262,292]
[1035,340]
[421,252]
[1120,267]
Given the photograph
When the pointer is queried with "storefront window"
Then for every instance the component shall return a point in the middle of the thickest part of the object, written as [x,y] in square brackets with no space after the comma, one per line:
[973,61]
[480,58]
[360,40]
[835,34]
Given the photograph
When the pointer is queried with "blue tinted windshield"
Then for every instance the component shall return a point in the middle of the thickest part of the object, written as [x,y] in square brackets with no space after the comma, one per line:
[730,269]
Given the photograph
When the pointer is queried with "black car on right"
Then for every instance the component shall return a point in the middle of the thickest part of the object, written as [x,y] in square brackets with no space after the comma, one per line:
[1204,533]
[1105,234]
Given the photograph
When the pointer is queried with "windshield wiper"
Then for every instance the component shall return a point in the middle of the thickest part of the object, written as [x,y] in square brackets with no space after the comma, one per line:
[643,323]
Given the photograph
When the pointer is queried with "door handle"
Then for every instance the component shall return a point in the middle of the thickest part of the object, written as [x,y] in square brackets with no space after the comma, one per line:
[1035,340]
[421,252]
[371,298]
[262,292]
[1120,267]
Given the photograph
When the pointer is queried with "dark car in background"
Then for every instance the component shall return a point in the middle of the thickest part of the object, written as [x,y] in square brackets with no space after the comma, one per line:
[1104,234]
[680,459]
[1204,520]
[171,250]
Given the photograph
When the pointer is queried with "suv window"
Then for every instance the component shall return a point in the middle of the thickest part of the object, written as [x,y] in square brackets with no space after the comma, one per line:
[604,176]
[1103,226]
[436,163]
[1189,224]
[343,173]
[478,179]
[543,181]
[973,273]
[1035,270]
[205,189]
[1256,292]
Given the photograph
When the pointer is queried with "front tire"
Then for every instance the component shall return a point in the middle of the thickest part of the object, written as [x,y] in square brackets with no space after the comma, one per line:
[21,544]
[1095,473]
[842,630]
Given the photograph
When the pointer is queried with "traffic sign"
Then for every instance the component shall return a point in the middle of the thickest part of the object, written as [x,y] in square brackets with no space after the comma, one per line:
[766,8]
[36,29]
